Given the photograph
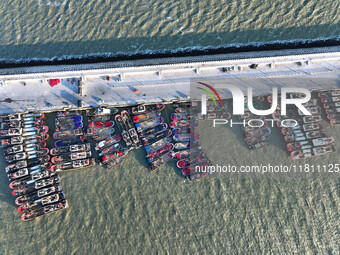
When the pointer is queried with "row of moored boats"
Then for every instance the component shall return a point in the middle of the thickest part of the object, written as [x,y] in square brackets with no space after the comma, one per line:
[36,187]
[306,138]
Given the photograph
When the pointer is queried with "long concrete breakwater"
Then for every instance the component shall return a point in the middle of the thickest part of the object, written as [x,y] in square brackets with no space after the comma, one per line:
[162,80]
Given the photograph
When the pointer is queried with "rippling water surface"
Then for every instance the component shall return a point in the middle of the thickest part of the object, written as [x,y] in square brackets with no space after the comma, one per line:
[49,28]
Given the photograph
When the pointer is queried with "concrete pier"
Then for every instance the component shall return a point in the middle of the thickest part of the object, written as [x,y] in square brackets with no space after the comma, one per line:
[161,80]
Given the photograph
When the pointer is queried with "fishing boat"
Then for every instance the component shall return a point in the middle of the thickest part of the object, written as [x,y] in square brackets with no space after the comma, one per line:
[37,194]
[311,102]
[16,157]
[66,134]
[324,150]
[113,156]
[10,117]
[160,161]
[100,111]
[329,93]
[40,129]
[181,137]
[73,165]
[131,129]
[334,119]
[19,174]
[182,145]
[10,124]
[50,199]
[18,185]
[15,140]
[112,148]
[69,126]
[149,124]
[186,171]
[262,132]
[153,130]
[160,152]
[68,113]
[27,216]
[24,163]
[181,154]
[39,115]
[70,148]
[124,132]
[315,134]
[101,124]
[114,163]
[10,132]
[150,139]
[14,149]
[146,116]
[180,116]
[310,119]
[157,145]
[107,142]
[330,99]
[183,108]
[68,120]
[302,145]
[312,126]
[156,107]
[138,109]
[332,105]
[37,142]
[20,188]
[181,131]
[180,124]
[301,154]
[102,132]
[292,138]
[314,110]
[71,156]
[330,111]
[24,172]
[42,137]
[323,141]
[70,141]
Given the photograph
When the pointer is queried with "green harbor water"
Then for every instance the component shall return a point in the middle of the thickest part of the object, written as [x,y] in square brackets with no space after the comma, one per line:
[130,210]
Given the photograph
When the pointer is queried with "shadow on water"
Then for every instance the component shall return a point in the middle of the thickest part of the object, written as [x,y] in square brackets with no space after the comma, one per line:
[120,47]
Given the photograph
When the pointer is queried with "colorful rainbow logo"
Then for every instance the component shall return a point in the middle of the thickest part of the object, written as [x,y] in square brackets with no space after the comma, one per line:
[210,94]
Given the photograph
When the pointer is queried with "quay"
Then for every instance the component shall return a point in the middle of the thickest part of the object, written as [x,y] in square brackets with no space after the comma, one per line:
[151,81]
